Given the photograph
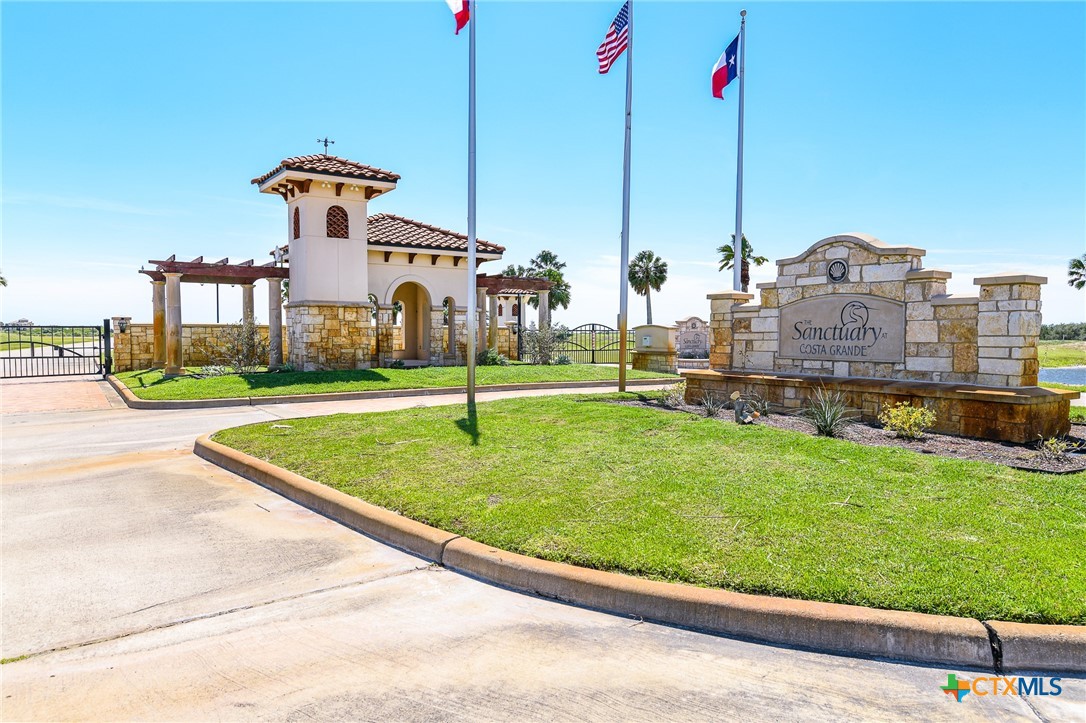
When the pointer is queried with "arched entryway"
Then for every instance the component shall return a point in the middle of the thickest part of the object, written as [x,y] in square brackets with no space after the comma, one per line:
[415,318]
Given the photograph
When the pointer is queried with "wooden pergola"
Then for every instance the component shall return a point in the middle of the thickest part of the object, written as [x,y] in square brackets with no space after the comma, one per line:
[166,279]
[519,286]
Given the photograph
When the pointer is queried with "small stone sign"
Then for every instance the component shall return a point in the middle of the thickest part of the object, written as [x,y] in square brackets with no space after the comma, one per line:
[843,327]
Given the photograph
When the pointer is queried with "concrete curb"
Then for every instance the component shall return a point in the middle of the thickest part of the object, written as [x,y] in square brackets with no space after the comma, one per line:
[136,403]
[1057,648]
[828,627]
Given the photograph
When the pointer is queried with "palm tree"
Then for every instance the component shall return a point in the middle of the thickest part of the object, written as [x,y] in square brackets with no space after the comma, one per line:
[547,266]
[648,272]
[4,282]
[1076,272]
[727,258]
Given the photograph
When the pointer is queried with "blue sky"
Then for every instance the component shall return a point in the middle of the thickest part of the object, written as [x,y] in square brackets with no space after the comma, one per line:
[131,130]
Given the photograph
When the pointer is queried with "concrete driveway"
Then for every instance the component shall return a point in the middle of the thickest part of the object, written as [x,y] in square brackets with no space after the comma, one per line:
[144,583]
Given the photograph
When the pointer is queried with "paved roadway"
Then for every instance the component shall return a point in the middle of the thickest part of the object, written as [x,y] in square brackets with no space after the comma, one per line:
[144,583]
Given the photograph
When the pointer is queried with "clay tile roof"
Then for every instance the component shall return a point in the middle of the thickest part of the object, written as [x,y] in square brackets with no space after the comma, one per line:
[386,229]
[330,166]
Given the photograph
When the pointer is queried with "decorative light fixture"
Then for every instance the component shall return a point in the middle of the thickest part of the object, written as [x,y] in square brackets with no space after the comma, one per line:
[122,325]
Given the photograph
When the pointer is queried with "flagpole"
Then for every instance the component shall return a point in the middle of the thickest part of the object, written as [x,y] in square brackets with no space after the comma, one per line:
[624,264]
[737,244]
[472,265]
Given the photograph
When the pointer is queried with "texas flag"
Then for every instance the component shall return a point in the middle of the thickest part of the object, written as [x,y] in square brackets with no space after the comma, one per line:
[726,69]
[460,10]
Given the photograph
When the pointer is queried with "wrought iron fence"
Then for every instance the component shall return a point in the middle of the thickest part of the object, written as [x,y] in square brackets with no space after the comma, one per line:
[592,344]
[50,351]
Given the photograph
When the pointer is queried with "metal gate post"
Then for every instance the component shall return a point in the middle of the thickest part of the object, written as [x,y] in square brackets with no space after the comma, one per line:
[107,363]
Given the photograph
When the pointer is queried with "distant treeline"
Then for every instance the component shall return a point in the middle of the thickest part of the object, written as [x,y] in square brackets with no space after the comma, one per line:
[1064,331]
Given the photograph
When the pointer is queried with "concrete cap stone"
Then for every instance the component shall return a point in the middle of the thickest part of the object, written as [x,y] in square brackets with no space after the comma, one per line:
[736,295]
[925,274]
[1009,277]
[953,299]
[766,285]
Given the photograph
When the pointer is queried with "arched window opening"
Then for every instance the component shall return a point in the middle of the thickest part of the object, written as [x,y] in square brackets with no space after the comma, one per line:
[337,222]
[516,310]
[501,309]
[297,223]
[449,342]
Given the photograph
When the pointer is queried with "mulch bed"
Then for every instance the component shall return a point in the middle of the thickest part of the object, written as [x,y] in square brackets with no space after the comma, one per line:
[1019,456]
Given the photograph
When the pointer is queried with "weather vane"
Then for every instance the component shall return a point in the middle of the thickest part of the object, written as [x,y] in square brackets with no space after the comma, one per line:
[326,142]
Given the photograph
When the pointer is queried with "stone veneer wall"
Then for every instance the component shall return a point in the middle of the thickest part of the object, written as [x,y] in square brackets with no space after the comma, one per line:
[134,349]
[655,361]
[1020,415]
[331,336]
[990,339]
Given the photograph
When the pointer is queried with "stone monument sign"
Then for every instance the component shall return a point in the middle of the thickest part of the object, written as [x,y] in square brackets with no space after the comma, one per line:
[866,318]
[844,327]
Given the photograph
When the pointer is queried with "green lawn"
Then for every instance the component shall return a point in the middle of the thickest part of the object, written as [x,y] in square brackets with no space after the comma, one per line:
[1061,353]
[580,347]
[674,496]
[12,340]
[152,385]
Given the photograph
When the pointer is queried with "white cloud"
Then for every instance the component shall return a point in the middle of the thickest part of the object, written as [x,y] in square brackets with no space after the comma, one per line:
[85,203]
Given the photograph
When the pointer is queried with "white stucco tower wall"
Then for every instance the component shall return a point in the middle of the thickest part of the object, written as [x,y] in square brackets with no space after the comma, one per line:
[329,313]
[323,269]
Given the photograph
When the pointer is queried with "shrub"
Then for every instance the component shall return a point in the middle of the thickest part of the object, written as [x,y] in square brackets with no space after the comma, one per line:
[397,364]
[240,347]
[675,395]
[285,368]
[828,412]
[541,345]
[712,404]
[491,358]
[905,420]
[563,359]
[1055,449]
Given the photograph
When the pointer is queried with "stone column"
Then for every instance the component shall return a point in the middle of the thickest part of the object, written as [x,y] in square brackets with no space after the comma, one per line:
[721,317]
[480,323]
[158,323]
[544,309]
[384,335]
[123,352]
[247,302]
[1008,326]
[174,359]
[492,334]
[275,322]
[437,335]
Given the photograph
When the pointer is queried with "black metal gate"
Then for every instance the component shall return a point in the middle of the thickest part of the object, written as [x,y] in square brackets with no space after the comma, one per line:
[53,351]
[595,344]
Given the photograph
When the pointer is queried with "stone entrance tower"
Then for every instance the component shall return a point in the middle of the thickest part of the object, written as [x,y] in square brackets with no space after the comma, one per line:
[329,313]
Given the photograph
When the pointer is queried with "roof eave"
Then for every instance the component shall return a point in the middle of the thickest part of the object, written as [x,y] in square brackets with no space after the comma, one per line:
[490,255]
[268,185]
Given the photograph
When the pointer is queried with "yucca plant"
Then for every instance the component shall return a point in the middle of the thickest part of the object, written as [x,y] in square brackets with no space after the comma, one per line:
[712,404]
[828,412]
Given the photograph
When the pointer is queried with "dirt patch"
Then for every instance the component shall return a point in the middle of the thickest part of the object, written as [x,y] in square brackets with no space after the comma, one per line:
[1019,456]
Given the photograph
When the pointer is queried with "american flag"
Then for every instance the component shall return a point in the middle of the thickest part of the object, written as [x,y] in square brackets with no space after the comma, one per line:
[615,41]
